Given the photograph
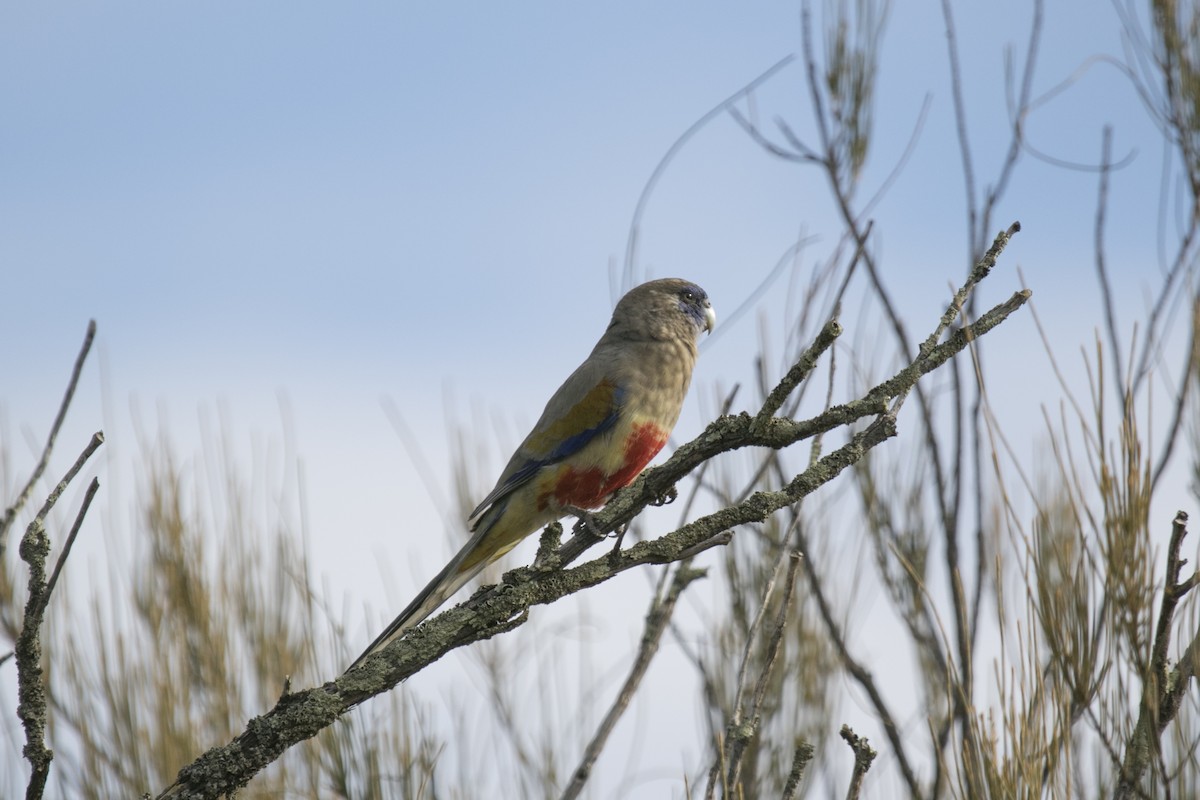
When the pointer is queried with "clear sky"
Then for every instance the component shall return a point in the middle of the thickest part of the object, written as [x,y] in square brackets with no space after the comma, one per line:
[335,203]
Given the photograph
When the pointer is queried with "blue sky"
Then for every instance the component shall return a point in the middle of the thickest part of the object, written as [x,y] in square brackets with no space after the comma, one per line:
[339,203]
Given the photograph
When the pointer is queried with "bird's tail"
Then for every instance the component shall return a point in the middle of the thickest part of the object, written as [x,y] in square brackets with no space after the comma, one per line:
[466,564]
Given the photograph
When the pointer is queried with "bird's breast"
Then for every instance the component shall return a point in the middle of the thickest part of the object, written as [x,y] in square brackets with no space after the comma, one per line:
[588,483]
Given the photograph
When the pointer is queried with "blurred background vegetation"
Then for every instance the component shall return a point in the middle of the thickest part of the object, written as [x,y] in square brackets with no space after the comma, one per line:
[1029,580]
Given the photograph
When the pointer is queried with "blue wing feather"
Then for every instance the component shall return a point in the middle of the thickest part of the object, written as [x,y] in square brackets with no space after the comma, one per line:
[559,438]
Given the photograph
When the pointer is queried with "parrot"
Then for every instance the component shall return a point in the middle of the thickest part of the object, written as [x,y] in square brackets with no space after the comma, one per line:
[598,431]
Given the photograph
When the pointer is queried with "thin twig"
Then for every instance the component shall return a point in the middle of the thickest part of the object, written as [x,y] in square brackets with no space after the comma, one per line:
[659,614]
[858,672]
[93,487]
[742,684]
[92,446]
[10,514]
[1162,690]
[676,146]
[800,760]
[981,270]
[1183,399]
[1106,290]
[738,731]
[960,116]
[760,690]
[799,371]
[31,693]
[864,754]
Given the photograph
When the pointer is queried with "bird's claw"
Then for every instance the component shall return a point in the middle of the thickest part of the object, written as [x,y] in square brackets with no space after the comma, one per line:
[587,522]
[666,498]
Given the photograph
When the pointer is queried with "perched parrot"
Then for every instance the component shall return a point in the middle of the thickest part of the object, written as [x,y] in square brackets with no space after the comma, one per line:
[599,430]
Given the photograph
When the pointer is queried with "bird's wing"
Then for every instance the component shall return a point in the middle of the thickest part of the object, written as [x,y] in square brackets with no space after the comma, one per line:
[587,405]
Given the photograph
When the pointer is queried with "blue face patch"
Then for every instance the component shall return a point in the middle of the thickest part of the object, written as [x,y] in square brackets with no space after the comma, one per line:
[692,301]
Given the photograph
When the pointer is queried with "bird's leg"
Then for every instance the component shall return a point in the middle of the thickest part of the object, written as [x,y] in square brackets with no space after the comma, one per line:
[619,534]
[587,522]
[666,498]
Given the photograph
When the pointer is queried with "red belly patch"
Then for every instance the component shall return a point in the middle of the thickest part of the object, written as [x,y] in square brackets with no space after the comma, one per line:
[590,488]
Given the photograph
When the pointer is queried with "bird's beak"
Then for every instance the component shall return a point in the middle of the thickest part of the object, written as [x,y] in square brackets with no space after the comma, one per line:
[710,317]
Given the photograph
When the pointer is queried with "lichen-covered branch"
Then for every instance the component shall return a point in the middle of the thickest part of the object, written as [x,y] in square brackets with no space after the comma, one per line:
[497,609]
[34,550]
[1163,688]
[11,512]
[864,755]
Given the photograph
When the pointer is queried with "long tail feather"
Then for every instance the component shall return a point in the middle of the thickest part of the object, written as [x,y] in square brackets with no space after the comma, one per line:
[453,577]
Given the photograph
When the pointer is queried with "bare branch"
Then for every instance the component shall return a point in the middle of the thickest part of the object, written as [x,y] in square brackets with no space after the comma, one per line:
[800,760]
[640,209]
[93,487]
[1162,691]
[864,754]
[22,498]
[657,619]
[31,693]
[859,673]
[760,690]
[799,371]
[743,722]
[497,609]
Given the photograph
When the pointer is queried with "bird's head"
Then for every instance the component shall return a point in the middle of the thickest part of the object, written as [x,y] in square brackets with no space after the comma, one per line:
[664,309]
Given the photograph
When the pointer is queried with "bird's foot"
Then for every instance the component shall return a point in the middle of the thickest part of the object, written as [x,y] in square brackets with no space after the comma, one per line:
[619,535]
[587,521]
[666,498]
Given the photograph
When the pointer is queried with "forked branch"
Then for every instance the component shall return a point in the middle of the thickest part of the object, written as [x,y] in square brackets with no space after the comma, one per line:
[498,609]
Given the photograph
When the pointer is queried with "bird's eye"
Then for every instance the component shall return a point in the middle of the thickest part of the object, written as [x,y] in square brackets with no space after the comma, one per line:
[689,295]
